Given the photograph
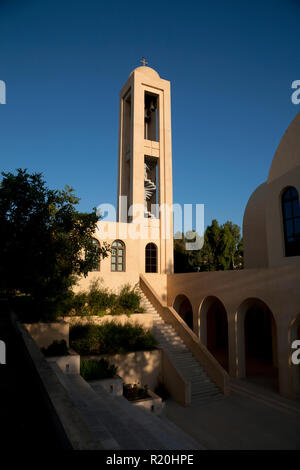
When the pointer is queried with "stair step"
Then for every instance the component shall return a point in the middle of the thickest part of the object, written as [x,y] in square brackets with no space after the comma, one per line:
[184,353]
[187,362]
[205,394]
[196,387]
[173,344]
[199,378]
[166,331]
[199,374]
[173,341]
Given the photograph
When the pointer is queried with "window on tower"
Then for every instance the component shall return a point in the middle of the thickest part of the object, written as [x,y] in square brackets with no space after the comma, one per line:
[151,116]
[291,221]
[127,124]
[151,187]
[125,182]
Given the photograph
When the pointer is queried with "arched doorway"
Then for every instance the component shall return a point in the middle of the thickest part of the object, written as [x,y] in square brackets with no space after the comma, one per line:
[214,329]
[183,307]
[259,343]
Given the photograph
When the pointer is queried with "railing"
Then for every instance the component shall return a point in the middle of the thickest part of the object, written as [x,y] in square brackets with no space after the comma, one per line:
[211,366]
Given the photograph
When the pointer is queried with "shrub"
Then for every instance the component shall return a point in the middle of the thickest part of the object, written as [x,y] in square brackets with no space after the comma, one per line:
[98,300]
[129,299]
[92,369]
[111,338]
[135,392]
[57,348]
[79,303]
[84,339]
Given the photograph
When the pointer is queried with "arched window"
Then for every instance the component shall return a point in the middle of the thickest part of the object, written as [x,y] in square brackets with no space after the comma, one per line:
[151,258]
[96,263]
[291,221]
[118,256]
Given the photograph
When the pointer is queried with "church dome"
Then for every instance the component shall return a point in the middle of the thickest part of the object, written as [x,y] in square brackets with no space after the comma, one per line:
[287,156]
[151,73]
[254,229]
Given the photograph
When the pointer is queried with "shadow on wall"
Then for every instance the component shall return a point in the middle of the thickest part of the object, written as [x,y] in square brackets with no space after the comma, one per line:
[144,367]
[214,329]
[257,342]
[183,307]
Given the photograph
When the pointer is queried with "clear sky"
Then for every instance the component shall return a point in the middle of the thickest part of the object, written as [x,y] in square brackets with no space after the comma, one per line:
[230,63]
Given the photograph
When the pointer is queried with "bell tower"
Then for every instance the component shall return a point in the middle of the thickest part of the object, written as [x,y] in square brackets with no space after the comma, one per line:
[145,158]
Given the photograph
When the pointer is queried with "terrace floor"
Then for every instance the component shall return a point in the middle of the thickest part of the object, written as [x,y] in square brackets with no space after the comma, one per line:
[252,417]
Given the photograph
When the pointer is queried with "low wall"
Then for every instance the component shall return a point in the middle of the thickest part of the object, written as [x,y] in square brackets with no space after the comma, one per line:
[70,426]
[69,365]
[45,333]
[178,387]
[142,319]
[144,367]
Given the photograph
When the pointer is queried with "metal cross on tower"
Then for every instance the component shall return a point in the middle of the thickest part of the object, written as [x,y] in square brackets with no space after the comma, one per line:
[143,60]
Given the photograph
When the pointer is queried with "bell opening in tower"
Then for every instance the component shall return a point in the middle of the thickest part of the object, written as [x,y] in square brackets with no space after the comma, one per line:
[151,187]
[127,124]
[151,117]
[126,155]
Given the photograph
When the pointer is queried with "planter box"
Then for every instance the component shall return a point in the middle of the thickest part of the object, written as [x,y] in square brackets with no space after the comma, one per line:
[141,366]
[114,385]
[153,404]
[68,364]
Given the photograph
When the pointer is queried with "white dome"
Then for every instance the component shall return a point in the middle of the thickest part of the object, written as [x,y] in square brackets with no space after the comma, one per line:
[146,71]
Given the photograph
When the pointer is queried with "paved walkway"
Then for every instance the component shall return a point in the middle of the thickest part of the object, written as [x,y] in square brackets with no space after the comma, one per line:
[239,422]
[117,424]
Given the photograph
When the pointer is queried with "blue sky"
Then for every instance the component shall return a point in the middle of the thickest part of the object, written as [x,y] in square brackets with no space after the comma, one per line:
[230,63]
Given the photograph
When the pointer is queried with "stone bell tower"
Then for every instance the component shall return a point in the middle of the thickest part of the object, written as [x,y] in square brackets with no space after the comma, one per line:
[145,159]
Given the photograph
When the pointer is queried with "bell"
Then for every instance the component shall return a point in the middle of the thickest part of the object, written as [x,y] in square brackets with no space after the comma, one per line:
[152,107]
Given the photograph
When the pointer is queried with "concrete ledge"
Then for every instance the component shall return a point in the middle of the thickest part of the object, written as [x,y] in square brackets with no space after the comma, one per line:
[153,404]
[178,387]
[114,386]
[68,364]
[70,426]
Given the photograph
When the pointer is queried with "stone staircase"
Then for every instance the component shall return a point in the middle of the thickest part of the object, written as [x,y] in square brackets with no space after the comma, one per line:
[203,390]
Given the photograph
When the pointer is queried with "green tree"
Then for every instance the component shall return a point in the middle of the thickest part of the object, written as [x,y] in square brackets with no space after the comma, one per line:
[222,250]
[43,239]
